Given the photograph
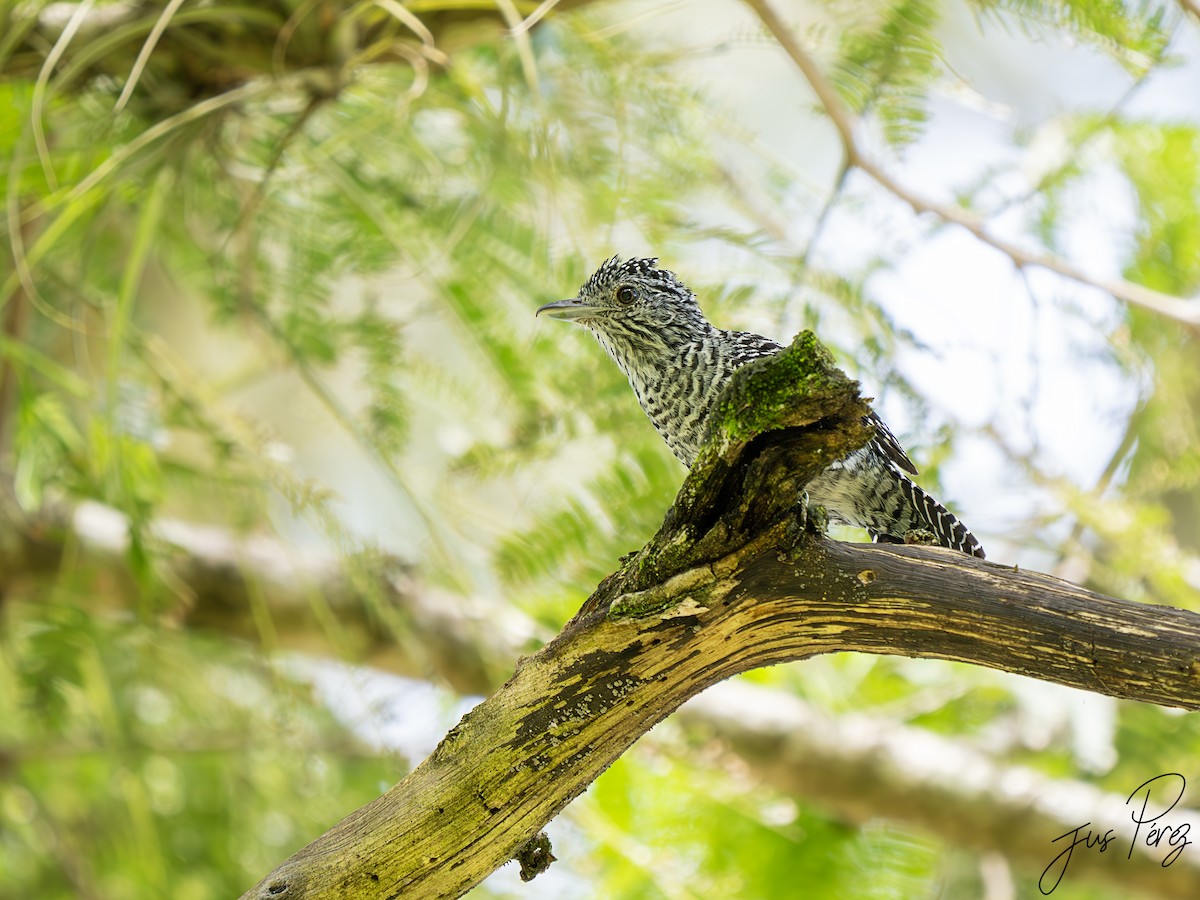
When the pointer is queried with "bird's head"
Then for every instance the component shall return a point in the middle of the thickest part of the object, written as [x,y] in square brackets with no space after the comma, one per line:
[633,302]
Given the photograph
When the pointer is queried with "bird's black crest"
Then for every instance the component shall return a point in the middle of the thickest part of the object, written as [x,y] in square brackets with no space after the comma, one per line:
[645,269]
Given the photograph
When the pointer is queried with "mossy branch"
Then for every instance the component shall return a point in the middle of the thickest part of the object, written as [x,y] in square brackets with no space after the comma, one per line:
[728,584]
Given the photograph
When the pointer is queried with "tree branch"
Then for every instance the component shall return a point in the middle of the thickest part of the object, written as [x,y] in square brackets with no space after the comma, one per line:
[787,743]
[728,584]
[313,601]
[1186,312]
[570,710]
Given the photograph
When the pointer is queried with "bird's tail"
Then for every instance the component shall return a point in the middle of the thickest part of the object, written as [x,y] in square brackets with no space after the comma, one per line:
[924,513]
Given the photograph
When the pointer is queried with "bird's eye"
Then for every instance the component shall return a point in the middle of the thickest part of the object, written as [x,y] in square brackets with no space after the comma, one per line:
[625,295]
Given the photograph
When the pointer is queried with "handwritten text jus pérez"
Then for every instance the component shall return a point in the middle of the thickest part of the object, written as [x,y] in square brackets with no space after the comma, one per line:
[1149,808]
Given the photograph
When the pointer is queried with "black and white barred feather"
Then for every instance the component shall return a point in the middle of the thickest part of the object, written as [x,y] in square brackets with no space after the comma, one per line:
[678,364]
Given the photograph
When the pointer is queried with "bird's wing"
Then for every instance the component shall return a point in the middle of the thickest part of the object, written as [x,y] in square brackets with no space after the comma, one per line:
[886,441]
[748,346]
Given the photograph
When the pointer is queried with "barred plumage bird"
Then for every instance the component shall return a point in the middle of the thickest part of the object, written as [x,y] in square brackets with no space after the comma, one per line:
[678,365]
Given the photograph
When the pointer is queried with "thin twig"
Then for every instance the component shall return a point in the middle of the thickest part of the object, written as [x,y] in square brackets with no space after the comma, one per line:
[514,20]
[143,57]
[1186,312]
[260,190]
[818,228]
[37,104]
[536,16]
[415,25]
[436,532]
[14,327]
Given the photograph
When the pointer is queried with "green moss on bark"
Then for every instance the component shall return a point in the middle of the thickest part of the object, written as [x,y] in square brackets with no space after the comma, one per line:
[786,389]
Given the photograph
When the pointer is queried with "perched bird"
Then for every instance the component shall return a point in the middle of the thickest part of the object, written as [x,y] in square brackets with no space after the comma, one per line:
[678,365]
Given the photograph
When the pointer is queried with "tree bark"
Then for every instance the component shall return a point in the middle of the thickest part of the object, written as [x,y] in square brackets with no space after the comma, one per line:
[731,581]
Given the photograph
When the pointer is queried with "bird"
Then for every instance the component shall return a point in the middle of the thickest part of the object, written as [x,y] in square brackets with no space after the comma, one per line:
[678,364]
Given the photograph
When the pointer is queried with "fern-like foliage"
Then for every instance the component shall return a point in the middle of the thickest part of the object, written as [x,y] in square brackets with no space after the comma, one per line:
[887,64]
[1134,34]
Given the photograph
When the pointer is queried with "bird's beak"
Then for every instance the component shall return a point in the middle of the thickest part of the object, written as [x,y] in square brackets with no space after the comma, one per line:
[566,309]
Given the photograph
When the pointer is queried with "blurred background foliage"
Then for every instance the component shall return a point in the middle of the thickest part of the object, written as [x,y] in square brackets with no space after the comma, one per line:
[269,274]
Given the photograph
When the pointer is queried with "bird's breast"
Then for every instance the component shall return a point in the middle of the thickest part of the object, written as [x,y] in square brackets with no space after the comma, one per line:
[678,397]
